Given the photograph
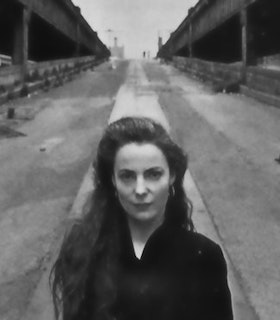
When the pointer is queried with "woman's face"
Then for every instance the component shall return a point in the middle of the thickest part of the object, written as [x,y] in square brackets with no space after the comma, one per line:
[142,179]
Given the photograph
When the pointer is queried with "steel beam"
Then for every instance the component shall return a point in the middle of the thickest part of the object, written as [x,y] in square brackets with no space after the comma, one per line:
[66,18]
[202,19]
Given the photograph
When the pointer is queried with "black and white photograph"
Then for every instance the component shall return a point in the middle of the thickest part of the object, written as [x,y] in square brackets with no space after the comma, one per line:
[139,160]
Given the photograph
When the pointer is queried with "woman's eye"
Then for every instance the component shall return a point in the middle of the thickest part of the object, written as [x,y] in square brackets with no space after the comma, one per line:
[153,174]
[127,176]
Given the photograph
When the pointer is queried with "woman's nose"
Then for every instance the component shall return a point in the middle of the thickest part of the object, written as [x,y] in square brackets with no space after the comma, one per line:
[140,186]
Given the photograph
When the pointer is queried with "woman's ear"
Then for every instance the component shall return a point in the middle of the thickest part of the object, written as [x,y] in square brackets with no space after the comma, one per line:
[114,180]
[172,179]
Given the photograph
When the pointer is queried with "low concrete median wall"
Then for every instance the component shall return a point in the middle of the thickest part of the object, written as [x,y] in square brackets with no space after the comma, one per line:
[42,75]
[61,65]
[11,74]
[222,76]
[262,84]
[271,62]
[263,80]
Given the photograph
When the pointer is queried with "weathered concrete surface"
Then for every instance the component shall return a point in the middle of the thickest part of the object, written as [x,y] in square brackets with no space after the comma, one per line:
[136,98]
[41,173]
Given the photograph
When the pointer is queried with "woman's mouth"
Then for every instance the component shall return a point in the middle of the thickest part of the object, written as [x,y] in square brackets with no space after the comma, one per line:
[142,206]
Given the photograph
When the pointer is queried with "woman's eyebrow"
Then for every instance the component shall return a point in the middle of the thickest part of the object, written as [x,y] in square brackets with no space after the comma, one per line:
[155,168]
[125,170]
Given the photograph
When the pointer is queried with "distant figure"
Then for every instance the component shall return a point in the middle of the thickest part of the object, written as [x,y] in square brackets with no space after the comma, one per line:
[148,54]
[144,54]
[135,254]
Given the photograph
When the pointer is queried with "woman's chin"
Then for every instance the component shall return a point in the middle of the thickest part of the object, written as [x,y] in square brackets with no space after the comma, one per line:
[145,217]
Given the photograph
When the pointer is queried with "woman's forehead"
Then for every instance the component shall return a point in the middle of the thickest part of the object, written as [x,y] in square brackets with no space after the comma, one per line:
[142,155]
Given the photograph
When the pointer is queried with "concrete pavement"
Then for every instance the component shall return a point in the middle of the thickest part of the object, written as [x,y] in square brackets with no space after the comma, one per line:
[135,98]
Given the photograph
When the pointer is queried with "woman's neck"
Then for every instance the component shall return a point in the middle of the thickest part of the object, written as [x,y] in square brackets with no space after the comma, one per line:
[140,233]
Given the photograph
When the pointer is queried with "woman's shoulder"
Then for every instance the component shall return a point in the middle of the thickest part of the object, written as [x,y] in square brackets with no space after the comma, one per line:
[200,244]
[198,239]
[189,248]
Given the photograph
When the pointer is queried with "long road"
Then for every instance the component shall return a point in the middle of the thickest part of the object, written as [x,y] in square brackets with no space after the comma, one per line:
[233,180]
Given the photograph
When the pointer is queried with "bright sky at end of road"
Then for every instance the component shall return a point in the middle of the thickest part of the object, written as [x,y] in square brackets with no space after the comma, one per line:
[137,24]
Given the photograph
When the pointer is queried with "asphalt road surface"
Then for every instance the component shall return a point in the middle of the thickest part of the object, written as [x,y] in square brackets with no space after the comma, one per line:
[231,141]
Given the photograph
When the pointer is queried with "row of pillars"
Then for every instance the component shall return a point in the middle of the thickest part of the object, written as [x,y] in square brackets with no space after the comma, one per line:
[20,53]
[244,42]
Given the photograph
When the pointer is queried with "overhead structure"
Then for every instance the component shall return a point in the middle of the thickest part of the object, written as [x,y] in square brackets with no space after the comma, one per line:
[40,30]
[227,31]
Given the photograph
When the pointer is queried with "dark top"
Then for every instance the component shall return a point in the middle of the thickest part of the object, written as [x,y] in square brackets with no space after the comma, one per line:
[181,275]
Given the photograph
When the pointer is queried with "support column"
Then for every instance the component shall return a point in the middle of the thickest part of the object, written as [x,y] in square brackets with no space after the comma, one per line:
[190,13]
[190,41]
[171,50]
[78,33]
[78,43]
[20,50]
[244,42]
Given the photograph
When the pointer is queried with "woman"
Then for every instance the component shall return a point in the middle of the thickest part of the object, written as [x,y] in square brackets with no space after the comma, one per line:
[135,254]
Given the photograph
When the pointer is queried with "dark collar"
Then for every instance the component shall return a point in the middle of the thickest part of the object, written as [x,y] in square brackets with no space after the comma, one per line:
[156,244]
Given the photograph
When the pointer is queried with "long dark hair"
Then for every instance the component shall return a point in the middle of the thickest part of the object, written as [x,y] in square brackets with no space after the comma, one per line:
[83,276]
